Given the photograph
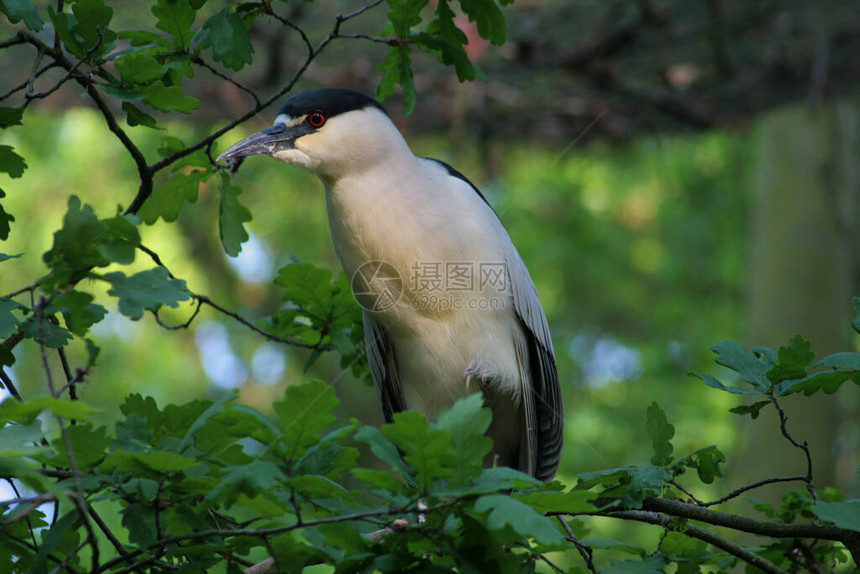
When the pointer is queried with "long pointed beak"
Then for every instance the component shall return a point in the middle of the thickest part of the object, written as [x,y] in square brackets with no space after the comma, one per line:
[266,142]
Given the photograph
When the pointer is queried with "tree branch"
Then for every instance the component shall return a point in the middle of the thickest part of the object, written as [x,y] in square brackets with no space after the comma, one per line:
[736,522]
[741,490]
[694,531]
[89,86]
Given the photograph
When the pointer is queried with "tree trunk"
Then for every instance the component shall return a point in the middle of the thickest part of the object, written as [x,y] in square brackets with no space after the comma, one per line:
[803,272]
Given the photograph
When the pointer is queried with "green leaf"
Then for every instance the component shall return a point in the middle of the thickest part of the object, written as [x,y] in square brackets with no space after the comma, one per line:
[467,421]
[570,502]
[380,480]
[11,162]
[200,421]
[384,449]
[426,449]
[329,458]
[649,565]
[176,18]
[248,479]
[40,328]
[10,117]
[735,356]
[634,483]
[146,290]
[26,411]
[450,54]
[843,514]
[488,16]
[306,410]
[614,545]
[92,18]
[166,98]
[85,242]
[506,511]
[167,199]
[6,256]
[88,446]
[828,381]
[139,520]
[79,311]
[404,15]
[119,245]
[396,69]
[61,538]
[137,117]
[711,381]
[136,68]
[8,322]
[6,358]
[849,361]
[706,461]
[660,432]
[792,361]
[313,486]
[229,38]
[5,219]
[63,23]
[17,10]
[678,545]
[309,288]
[752,410]
[231,217]
[146,463]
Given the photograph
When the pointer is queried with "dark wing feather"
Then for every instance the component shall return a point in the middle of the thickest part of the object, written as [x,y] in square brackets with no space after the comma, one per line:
[383,367]
[544,412]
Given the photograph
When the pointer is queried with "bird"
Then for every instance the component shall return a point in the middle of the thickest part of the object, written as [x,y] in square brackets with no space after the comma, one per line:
[448,305]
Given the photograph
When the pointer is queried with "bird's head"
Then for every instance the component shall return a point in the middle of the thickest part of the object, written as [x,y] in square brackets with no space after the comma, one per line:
[331,132]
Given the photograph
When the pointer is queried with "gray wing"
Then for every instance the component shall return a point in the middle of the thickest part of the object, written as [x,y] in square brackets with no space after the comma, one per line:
[383,367]
[541,394]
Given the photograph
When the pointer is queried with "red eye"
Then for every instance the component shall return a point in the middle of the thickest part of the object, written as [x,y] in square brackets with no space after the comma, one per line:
[316,119]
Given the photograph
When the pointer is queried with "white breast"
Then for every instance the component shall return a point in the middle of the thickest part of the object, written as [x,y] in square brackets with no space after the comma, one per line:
[413,215]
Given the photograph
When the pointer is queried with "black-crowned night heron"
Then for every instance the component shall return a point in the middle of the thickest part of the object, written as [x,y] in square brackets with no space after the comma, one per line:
[449,306]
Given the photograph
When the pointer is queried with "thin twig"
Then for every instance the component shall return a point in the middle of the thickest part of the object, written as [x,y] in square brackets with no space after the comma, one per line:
[184,325]
[29,288]
[694,531]
[155,258]
[202,535]
[285,22]
[145,173]
[547,561]
[70,72]
[70,380]
[742,523]
[26,82]
[783,419]
[19,38]
[10,386]
[692,496]
[386,41]
[584,550]
[215,72]
[78,498]
[107,531]
[741,490]
[273,337]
